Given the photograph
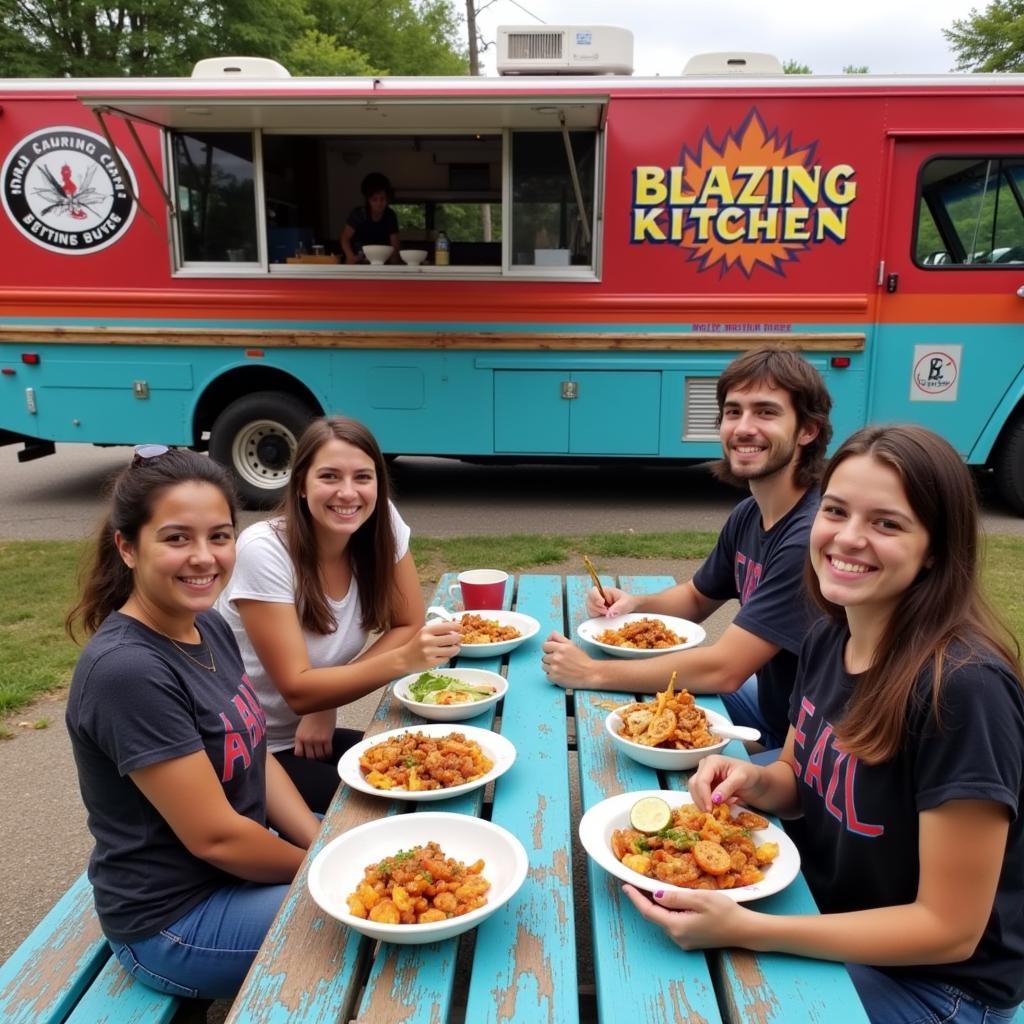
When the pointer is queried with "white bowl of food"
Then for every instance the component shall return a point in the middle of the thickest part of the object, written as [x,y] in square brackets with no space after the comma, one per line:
[377,254]
[339,869]
[667,758]
[636,634]
[450,694]
[476,626]
[407,749]
[413,257]
[608,833]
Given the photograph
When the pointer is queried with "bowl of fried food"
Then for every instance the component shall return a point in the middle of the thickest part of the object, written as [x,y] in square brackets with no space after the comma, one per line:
[491,633]
[640,634]
[659,838]
[671,732]
[417,878]
[428,762]
[450,694]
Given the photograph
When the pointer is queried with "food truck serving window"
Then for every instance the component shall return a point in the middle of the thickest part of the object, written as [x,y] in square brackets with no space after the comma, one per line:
[970,212]
[510,202]
[216,197]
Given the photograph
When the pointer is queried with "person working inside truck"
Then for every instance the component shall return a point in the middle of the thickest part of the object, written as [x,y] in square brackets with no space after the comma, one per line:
[904,757]
[373,222]
[325,602]
[198,832]
[774,427]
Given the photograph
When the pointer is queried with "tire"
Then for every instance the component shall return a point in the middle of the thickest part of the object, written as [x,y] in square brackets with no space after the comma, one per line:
[1009,466]
[254,438]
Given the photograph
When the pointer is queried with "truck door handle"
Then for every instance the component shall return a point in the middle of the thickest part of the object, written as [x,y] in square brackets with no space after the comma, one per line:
[1020,292]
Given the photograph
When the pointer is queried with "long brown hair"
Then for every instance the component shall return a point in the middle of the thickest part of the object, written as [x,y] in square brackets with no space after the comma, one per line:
[788,371]
[942,619]
[106,581]
[371,548]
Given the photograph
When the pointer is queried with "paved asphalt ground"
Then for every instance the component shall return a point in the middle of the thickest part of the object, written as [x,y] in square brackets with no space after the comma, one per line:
[45,843]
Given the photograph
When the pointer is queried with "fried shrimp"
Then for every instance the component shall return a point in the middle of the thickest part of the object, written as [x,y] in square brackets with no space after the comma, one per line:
[478,630]
[416,762]
[418,886]
[671,720]
[641,634]
[698,849]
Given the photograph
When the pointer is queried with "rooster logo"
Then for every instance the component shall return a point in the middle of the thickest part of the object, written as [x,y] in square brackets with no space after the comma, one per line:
[67,197]
[67,191]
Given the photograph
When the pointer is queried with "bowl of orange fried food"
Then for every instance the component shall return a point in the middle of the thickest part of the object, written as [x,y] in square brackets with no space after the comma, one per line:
[433,761]
[640,634]
[730,849]
[493,632]
[417,878]
[672,732]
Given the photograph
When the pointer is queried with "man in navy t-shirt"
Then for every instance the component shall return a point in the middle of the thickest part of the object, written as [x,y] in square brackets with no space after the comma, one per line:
[774,426]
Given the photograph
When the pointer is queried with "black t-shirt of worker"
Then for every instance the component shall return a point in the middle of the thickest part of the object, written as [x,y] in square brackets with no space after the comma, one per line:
[763,570]
[369,231]
[860,849]
[136,700]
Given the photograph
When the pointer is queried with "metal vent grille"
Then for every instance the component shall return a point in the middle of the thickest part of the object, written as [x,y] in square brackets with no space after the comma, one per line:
[535,45]
[700,409]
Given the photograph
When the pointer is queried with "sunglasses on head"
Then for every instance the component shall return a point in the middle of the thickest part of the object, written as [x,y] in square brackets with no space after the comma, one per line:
[148,451]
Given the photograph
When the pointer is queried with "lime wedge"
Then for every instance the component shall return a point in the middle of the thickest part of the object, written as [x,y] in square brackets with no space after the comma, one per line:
[650,815]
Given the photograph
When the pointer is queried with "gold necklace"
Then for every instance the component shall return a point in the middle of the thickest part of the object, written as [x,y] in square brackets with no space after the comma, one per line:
[212,667]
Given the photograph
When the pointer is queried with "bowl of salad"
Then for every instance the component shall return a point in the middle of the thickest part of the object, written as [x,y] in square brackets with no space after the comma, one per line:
[450,694]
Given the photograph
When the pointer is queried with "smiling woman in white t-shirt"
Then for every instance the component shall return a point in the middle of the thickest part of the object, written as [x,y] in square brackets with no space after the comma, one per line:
[312,586]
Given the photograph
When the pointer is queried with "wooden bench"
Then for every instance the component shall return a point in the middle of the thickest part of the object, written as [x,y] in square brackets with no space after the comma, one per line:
[64,973]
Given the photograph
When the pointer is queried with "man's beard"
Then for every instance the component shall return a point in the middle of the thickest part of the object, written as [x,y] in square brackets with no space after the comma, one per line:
[722,469]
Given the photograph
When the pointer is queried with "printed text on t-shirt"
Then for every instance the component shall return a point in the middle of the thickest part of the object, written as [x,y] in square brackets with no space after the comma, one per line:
[826,760]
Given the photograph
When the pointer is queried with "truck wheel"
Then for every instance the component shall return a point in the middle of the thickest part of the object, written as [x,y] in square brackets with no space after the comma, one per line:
[1009,466]
[255,438]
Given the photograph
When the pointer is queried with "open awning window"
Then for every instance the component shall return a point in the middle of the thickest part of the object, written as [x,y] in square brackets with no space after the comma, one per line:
[344,112]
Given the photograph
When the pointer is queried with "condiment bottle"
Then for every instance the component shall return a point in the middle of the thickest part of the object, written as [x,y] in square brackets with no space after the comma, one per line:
[442,248]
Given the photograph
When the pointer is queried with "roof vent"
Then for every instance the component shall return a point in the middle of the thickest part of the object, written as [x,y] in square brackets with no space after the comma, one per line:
[733,64]
[565,50]
[239,67]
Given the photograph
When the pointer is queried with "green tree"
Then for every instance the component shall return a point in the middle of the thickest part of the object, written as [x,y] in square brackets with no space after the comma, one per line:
[402,37]
[81,38]
[140,37]
[855,69]
[989,40]
[794,67]
[316,53]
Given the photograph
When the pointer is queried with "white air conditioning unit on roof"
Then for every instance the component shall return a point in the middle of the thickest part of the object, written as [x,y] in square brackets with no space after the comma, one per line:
[565,50]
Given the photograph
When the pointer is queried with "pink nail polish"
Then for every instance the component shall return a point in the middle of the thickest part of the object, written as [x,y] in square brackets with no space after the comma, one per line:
[659,894]
[717,798]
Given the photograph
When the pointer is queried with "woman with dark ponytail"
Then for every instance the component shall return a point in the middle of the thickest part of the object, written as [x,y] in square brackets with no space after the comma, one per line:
[170,739]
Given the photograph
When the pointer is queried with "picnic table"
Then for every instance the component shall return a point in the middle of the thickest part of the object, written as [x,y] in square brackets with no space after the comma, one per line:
[524,963]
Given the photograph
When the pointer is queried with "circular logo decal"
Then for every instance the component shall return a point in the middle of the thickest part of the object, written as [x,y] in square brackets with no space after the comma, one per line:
[64,190]
[935,372]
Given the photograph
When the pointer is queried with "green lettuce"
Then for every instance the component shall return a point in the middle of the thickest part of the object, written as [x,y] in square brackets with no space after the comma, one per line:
[430,685]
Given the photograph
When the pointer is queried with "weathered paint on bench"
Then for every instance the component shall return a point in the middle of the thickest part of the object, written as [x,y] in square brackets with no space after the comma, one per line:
[525,960]
[64,972]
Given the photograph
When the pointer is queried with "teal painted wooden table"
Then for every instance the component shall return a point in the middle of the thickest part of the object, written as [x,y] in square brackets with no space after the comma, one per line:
[522,963]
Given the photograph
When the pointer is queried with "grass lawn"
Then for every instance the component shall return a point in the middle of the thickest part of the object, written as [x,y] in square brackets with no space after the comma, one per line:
[38,584]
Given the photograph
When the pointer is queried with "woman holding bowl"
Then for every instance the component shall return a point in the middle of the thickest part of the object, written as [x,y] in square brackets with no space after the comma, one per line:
[905,753]
[330,574]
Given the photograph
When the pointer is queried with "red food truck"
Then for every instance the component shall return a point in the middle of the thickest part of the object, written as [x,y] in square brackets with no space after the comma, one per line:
[173,269]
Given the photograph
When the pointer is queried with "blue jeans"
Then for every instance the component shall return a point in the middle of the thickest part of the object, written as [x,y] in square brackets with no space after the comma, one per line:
[744,710]
[901,1000]
[206,953]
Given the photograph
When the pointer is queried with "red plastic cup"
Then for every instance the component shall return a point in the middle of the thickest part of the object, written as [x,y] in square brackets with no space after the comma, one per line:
[481,588]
